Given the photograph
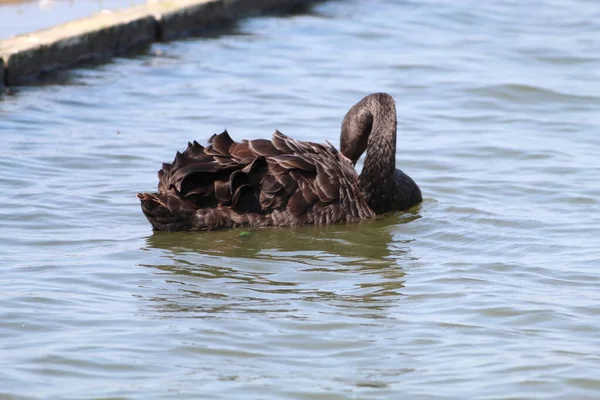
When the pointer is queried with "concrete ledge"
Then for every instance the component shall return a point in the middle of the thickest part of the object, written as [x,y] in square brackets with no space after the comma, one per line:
[239,8]
[186,16]
[103,34]
[116,32]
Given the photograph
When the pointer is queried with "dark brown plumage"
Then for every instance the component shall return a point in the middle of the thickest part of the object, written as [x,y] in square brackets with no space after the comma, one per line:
[284,182]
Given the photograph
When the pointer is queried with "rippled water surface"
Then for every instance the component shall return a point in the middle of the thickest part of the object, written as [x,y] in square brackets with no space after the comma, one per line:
[489,289]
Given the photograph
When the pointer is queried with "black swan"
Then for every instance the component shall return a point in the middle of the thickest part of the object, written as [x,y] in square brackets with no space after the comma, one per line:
[285,182]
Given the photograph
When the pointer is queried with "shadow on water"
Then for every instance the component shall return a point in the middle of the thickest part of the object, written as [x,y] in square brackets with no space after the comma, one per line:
[357,267]
[369,241]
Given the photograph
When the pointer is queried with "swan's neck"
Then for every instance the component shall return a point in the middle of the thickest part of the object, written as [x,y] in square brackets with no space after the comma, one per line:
[377,179]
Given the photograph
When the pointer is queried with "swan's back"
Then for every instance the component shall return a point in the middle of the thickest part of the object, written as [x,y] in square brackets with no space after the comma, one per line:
[279,182]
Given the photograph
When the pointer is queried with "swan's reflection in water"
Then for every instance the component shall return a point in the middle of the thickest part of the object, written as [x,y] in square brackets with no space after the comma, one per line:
[358,267]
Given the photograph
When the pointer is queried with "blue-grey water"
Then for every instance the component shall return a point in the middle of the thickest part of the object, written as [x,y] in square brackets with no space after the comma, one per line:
[490,289]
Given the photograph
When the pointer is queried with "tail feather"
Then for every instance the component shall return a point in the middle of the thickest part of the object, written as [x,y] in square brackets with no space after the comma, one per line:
[166,212]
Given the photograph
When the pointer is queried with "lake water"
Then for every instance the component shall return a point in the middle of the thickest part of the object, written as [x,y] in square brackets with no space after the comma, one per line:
[490,289]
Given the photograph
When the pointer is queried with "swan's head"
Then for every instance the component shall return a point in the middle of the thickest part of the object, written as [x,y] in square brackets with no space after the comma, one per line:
[356,128]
